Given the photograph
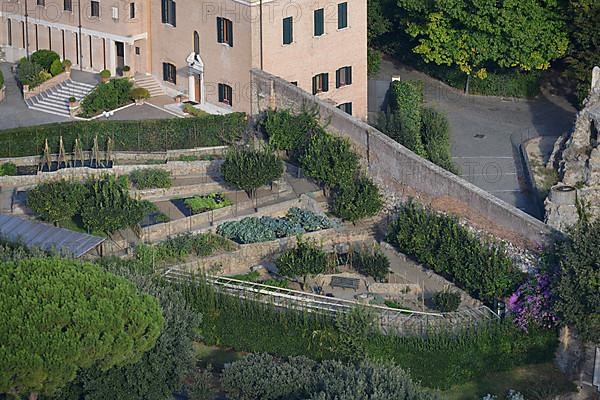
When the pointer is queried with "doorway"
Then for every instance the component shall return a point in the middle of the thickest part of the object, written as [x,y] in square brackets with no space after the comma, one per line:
[198,88]
[120,57]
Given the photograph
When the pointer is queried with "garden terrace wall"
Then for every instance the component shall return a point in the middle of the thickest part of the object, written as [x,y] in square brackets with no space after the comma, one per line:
[400,172]
[248,255]
[176,168]
[140,136]
[50,83]
[206,221]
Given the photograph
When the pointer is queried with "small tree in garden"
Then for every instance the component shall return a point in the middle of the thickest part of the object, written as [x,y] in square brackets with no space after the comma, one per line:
[370,261]
[330,160]
[446,301]
[303,260]
[248,169]
[59,316]
[357,200]
[287,131]
[56,201]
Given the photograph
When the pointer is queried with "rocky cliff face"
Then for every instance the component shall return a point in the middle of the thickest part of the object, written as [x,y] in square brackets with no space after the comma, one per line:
[577,159]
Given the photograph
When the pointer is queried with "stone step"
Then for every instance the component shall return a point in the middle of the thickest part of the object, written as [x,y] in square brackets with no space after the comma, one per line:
[56,99]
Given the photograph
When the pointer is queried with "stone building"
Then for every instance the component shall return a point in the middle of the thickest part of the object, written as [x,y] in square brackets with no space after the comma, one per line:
[203,49]
[577,158]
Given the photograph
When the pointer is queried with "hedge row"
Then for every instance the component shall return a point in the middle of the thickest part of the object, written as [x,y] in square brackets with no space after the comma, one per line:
[145,135]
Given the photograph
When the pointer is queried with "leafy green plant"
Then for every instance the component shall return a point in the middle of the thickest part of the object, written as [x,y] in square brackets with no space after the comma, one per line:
[29,73]
[446,301]
[150,178]
[406,100]
[67,64]
[57,201]
[144,135]
[126,68]
[330,160]
[308,220]
[139,93]
[9,169]
[305,259]
[56,67]
[370,261]
[247,230]
[44,58]
[481,268]
[373,61]
[435,133]
[248,169]
[1,80]
[213,201]
[356,200]
[196,112]
[107,97]
[100,318]
[289,132]
[105,74]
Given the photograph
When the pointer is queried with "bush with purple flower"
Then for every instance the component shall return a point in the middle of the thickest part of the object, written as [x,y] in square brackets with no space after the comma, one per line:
[531,304]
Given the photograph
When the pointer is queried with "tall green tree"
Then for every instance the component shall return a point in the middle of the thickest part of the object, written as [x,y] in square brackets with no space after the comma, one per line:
[584,46]
[56,201]
[476,34]
[248,169]
[59,316]
[577,284]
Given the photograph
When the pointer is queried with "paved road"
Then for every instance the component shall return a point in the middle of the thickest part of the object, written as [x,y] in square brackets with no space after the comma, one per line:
[14,112]
[482,128]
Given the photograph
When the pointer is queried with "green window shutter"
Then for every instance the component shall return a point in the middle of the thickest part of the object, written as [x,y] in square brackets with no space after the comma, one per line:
[219,30]
[314,84]
[325,82]
[163,9]
[230,38]
[288,34]
[173,13]
[342,15]
[337,78]
[165,72]
[319,22]
[221,92]
[348,75]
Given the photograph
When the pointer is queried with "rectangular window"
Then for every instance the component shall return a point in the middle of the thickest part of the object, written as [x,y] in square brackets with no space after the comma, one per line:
[343,77]
[68,5]
[319,18]
[225,31]
[41,3]
[95,10]
[342,15]
[225,94]
[168,12]
[320,83]
[23,33]
[346,107]
[37,41]
[132,10]
[295,83]
[288,30]
[9,27]
[137,51]
[169,73]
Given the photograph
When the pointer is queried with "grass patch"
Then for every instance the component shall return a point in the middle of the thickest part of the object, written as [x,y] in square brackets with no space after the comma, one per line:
[535,382]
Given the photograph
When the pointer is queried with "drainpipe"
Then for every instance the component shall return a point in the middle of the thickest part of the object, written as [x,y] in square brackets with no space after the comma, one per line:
[26,29]
[260,23]
[80,36]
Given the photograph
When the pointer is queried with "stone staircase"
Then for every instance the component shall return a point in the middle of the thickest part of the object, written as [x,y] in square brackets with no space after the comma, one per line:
[149,83]
[56,99]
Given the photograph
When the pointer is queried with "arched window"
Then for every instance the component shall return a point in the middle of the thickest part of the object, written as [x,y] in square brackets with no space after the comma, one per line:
[196,43]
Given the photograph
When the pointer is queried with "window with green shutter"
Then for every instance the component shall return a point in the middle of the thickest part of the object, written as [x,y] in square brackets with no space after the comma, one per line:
[225,94]
[320,83]
[224,31]
[288,30]
[346,107]
[342,15]
[319,18]
[343,77]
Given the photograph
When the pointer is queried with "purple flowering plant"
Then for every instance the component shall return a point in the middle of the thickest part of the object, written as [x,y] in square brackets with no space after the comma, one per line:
[531,304]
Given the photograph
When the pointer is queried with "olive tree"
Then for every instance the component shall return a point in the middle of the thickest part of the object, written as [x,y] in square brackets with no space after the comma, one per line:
[59,316]
[248,169]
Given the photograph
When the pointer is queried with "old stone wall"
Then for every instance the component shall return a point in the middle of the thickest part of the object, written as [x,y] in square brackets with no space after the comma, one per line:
[400,172]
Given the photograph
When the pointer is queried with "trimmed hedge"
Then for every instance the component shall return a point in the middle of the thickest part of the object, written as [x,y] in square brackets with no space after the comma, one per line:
[146,135]
[406,98]
[1,80]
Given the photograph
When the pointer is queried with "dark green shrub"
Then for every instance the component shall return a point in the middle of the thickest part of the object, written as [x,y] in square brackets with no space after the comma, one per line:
[139,93]
[576,285]
[290,132]
[150,178]
[56,68]
[373,61]
[30,73]
[1,80]
[199,386]
[145,135]
[303,260]
[213,201]
[106,97]
[105,74]
[370,261]
[109,207]
[9,169]
[330,160]
[248,169]
[406,100]
[446,301]
[67,64]
[435,134]
[481,268]
[57,201]
[356,200]
[44,58]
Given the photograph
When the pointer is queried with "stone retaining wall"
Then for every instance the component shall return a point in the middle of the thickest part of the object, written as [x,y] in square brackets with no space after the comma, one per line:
[50,83]
[397,170]
[176,168]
